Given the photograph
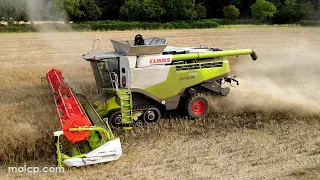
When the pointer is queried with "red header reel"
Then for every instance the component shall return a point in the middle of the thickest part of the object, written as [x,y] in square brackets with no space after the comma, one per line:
[71,114]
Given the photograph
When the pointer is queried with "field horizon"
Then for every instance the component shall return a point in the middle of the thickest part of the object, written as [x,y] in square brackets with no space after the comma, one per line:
[268,127]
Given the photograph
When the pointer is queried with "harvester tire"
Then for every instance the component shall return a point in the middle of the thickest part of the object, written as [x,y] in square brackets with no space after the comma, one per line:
[197,106]
[151,115]
[114,119]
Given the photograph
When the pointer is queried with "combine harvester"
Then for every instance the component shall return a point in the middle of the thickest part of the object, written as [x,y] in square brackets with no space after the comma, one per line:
[140,79]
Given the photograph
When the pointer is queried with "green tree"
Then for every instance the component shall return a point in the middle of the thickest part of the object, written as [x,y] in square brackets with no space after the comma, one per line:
[155,10]
[90,9]
[236,2]
[186,9]
[171,10]
[151,10]
[215,7]
[261,10]
[178,10]
[69,9]
[78,10]
[201,11]
[110,8]
[130,10]
[290,6]
[231,12]
[13,10]
[291,12]
[21,11]
[305,10]
[286,12]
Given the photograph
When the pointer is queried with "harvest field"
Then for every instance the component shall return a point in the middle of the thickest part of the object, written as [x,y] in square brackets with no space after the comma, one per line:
[268,127]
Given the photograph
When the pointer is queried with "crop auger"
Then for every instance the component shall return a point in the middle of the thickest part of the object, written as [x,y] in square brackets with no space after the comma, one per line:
[139,80]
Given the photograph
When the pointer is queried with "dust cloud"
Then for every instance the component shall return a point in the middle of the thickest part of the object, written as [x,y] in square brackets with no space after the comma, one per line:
[48,24]
[42,10]
[286,80]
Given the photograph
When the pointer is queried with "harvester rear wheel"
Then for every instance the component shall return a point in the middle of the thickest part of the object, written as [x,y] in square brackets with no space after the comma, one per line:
[197,106]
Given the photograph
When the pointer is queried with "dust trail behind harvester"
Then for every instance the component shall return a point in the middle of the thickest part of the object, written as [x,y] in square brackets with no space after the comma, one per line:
[41,11]
[285,80]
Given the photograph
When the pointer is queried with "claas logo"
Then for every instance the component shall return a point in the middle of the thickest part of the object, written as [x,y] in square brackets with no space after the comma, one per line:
[160,60]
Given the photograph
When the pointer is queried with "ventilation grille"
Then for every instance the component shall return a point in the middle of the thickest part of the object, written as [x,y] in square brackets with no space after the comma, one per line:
[199,66]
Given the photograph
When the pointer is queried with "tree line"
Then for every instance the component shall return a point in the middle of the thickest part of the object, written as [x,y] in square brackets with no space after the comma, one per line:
[273,11]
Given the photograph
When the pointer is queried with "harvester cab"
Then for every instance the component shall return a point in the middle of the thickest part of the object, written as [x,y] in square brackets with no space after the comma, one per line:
[140,80]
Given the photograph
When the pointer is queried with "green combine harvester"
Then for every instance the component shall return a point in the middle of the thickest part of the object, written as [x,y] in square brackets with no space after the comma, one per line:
[140,80]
